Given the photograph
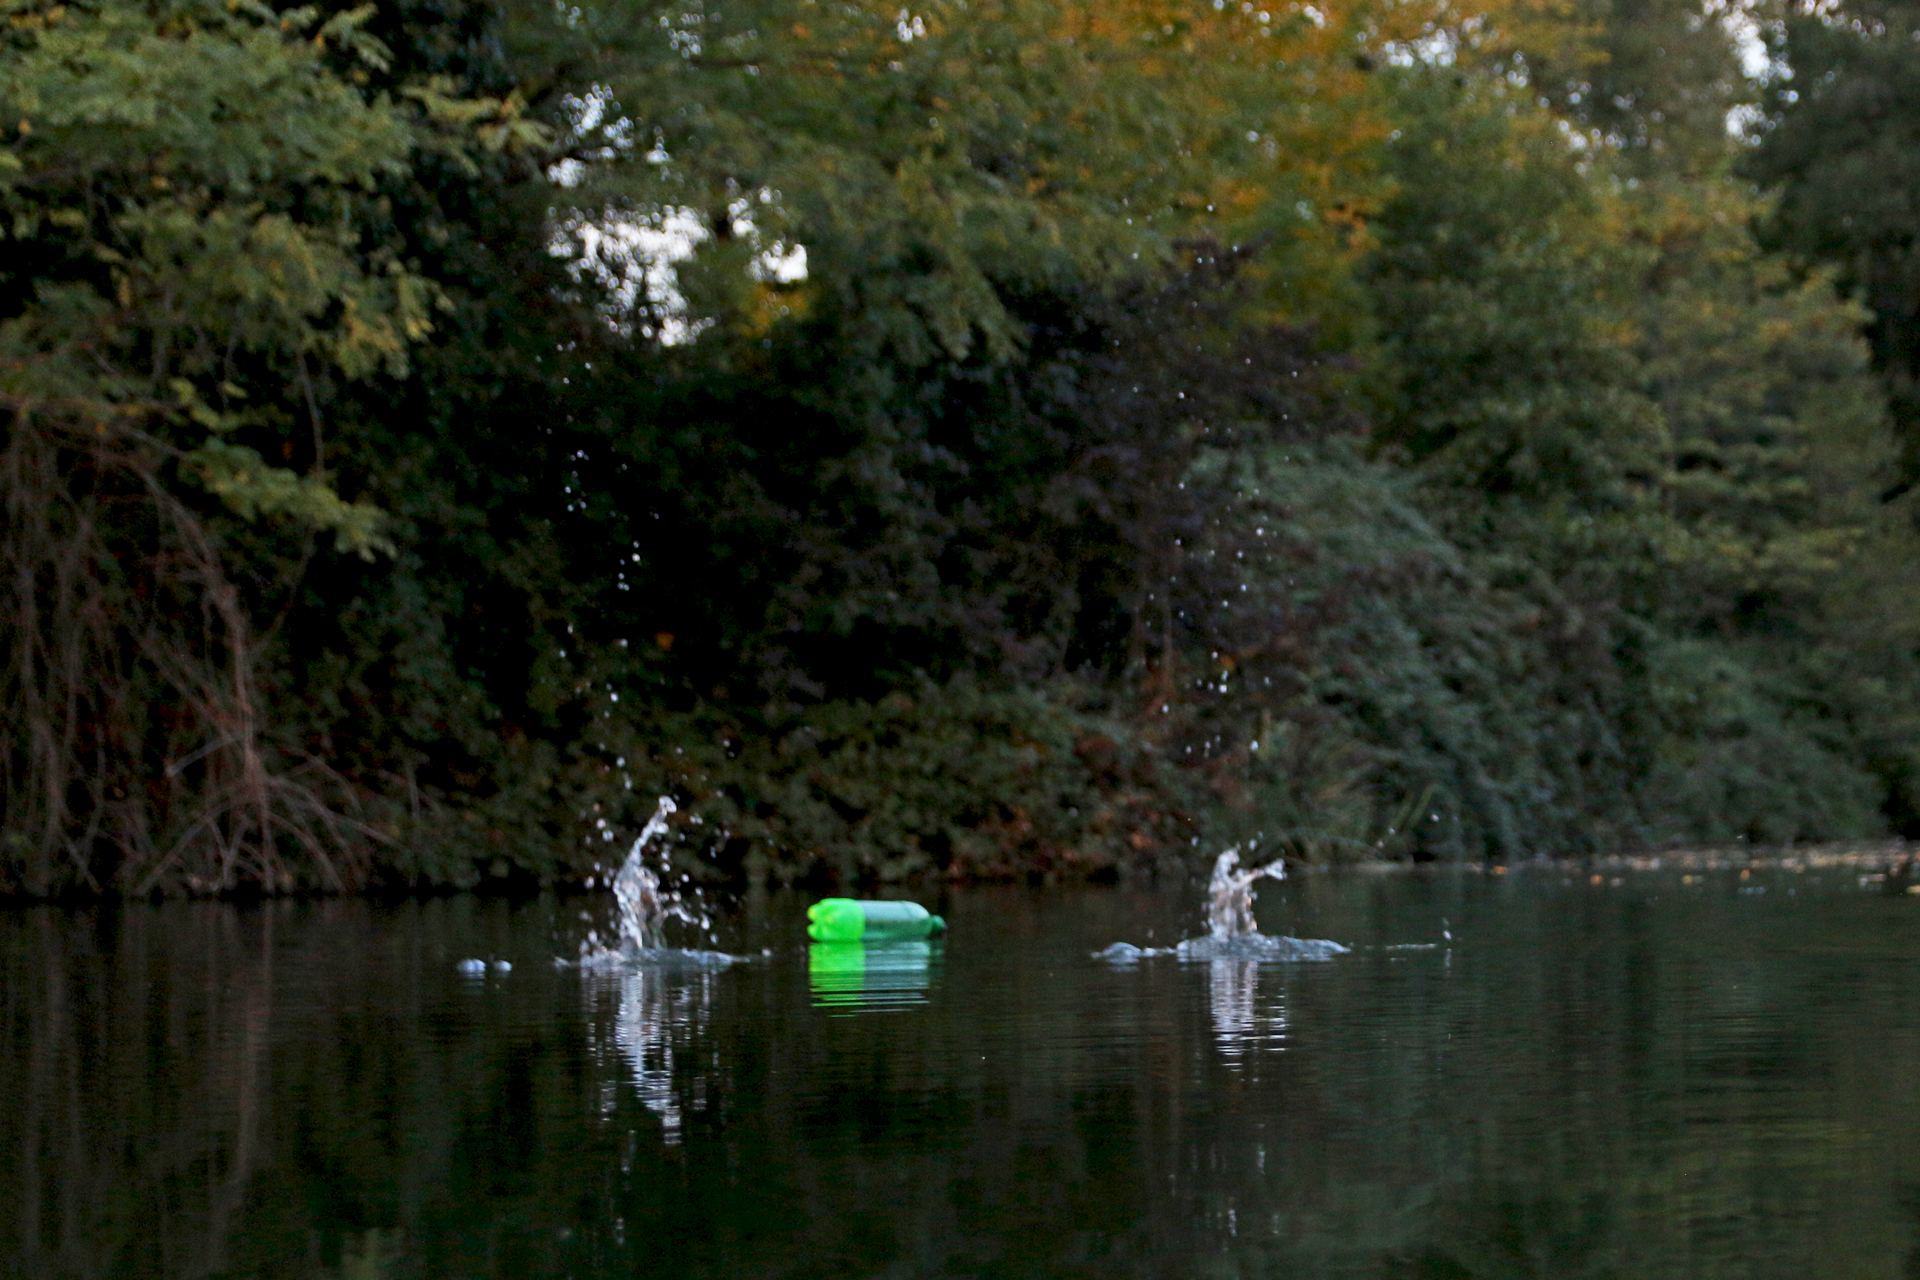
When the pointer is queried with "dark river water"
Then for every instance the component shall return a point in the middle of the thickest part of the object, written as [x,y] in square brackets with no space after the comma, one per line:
[1649,1078]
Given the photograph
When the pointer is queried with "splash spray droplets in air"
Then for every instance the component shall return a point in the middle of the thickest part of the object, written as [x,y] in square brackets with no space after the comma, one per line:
[644,907]
[1232,933]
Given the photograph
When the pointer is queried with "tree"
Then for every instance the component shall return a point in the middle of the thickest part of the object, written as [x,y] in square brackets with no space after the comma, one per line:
[1838,144]
[189,200]
[1662,441]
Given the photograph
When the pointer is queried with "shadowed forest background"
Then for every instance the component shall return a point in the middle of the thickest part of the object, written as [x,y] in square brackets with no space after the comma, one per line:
[991,438]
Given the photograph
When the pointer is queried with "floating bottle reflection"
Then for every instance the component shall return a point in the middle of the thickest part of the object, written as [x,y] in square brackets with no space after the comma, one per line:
[878,975]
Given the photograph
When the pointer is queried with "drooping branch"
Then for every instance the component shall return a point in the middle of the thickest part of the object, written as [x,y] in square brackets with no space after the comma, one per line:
[140,756]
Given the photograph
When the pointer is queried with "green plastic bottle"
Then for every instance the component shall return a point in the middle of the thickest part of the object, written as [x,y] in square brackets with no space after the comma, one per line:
[846,920]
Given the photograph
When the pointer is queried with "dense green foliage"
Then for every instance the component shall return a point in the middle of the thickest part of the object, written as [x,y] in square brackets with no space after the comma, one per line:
[989,440]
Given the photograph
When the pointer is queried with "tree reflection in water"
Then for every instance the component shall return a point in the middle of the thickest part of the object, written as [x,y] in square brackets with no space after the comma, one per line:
[1499,1231]
[1652,1085]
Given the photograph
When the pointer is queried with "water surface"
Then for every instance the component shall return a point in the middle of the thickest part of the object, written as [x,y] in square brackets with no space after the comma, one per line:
[1644,1079]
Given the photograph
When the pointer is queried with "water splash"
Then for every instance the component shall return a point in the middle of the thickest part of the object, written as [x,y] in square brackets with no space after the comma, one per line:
[662,995]
[1232,933]
[1230,895]
[643,915]
[1233,979]
[644,907]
